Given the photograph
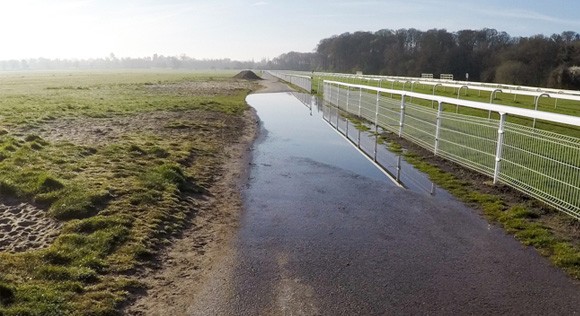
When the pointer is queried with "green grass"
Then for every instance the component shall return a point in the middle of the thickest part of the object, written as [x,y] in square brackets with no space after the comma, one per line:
[119,201]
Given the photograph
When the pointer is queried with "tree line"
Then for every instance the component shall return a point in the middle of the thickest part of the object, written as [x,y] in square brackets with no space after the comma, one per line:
[487,55]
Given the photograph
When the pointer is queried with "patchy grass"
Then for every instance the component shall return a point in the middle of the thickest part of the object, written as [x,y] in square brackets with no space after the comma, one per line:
[120,201]
[358,123]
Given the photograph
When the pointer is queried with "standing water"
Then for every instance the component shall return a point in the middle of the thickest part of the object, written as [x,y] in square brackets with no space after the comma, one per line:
[296,132]
[325,232]
[300,125]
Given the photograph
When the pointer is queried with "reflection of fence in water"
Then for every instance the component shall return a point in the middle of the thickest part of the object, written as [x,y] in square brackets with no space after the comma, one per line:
[304,82]
[304,98]
[368,144]
[542,164]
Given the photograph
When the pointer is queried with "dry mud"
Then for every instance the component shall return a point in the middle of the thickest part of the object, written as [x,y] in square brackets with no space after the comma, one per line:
[25,227]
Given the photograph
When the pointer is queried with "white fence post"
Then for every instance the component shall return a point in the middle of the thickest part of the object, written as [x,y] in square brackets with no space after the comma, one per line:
[438,128]
[377,110]
[338,96]
[359,100]
[434,88]
[402,118]
[347,98]
[536,106]
[377,124]
[498,151]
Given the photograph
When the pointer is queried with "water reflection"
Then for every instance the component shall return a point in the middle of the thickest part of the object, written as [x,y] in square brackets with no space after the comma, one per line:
[293,134]
[369,144]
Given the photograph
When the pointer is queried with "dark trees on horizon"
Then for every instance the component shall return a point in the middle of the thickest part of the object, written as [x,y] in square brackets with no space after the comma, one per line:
[487,55]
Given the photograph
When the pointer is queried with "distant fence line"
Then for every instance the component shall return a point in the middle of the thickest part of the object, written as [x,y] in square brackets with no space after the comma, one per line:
[542,164]
[302,81]
[535,92]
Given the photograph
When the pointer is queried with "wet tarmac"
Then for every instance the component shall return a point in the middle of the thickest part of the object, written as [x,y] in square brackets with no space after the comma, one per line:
[325,232]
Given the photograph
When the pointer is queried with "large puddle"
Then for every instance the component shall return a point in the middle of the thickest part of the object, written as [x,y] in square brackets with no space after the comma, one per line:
[324,228]
[302,126]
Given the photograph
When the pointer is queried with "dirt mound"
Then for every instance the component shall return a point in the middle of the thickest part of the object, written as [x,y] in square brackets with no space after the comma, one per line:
[247,75]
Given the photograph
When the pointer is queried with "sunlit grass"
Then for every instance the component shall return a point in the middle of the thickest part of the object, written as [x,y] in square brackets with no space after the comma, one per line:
[119,201]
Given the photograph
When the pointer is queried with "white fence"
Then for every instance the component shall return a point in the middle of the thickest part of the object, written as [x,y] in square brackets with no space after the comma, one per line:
[542,164]
[537,93]
[304,82]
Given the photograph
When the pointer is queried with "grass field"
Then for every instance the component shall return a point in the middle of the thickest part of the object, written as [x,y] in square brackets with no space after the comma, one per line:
[117,160]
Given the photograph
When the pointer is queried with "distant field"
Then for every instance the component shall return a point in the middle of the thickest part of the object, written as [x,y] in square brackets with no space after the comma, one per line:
[97,171]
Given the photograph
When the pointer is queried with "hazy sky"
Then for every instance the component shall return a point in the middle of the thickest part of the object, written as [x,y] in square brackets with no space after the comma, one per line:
[247,29]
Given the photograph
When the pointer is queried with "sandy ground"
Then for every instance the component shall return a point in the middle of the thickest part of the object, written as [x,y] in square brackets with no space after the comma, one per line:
[192,259]
[25,227]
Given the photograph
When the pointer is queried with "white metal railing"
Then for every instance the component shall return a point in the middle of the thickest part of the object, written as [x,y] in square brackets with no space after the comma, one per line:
[302,81]
[536,92]
[506,87]
[543,164]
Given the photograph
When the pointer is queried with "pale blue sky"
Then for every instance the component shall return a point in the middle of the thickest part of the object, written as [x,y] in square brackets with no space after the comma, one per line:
[248,29]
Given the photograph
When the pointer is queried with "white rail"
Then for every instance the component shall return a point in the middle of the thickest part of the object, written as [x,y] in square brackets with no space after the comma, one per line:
[557,94]
[542,164]
[304,82]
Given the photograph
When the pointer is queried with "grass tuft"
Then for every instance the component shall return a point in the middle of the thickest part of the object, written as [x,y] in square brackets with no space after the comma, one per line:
[47,183]
[77,203]
[161,177]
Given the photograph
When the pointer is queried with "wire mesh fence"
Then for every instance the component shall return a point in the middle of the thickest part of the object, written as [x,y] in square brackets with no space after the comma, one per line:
[543,164]
[304,82]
